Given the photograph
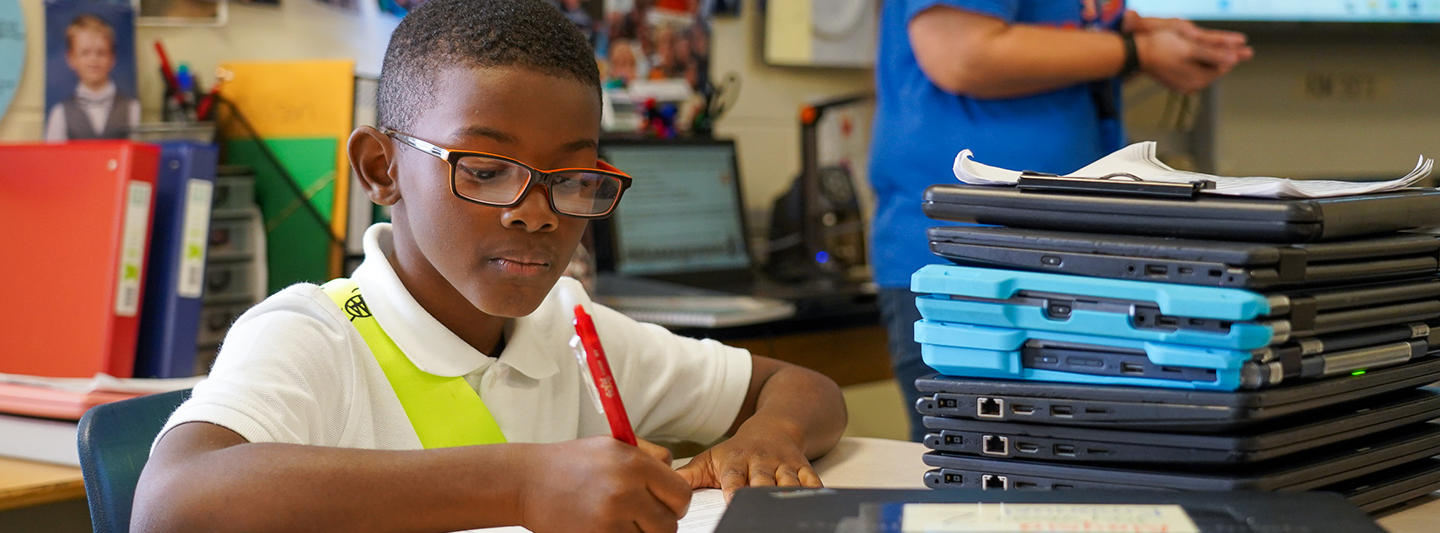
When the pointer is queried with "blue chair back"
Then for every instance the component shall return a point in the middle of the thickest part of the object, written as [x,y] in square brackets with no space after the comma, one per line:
[114,441]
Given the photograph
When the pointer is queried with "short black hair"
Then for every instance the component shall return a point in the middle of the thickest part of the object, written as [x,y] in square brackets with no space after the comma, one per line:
[476,33]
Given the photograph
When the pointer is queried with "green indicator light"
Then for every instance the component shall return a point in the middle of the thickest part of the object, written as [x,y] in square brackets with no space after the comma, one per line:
[1358,373]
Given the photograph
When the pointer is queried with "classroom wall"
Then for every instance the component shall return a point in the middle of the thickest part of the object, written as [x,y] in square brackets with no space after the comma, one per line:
[297,29]
[1382,113]
[1310,107]
[765,120]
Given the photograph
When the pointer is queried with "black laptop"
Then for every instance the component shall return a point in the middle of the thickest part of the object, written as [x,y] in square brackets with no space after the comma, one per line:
[1247,265]
[1068,444]
[1206,216]
[681,229]
[1302,471]
[1156,408]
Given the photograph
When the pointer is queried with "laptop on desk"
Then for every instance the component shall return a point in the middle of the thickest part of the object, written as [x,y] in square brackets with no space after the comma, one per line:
[675,251]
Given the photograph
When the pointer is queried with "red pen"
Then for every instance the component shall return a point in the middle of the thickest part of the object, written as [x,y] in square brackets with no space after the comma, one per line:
[168,73]
[599,370]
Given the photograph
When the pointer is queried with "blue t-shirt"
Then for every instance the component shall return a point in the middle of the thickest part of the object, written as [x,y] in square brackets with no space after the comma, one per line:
[919,127]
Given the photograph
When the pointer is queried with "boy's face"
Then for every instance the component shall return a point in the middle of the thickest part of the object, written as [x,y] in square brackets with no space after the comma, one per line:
[504,261]
[91,57]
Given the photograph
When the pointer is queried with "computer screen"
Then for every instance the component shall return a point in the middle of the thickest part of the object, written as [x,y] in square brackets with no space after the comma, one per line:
[1292,10]
[683,213]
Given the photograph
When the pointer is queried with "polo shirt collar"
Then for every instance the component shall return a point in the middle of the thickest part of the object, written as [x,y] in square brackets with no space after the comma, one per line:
[425,341]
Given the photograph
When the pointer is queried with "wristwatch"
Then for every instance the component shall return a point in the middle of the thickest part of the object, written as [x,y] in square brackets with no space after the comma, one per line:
[1132,56]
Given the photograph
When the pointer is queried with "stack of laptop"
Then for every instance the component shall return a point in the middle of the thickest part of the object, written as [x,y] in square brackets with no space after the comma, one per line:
[1199,343]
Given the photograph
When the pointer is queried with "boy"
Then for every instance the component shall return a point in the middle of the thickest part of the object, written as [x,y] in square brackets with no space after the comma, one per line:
[97,110]
[471,266]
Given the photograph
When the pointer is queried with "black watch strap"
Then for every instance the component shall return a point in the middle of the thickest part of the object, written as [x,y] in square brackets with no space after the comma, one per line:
[1132,56]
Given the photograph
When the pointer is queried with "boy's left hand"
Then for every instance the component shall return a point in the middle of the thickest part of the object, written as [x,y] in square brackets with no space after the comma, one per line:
[748,460]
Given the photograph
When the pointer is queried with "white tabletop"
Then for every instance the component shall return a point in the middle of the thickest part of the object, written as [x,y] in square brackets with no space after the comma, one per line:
[879,463]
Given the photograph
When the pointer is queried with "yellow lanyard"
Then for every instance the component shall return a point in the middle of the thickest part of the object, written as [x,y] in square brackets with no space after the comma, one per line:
[444,411]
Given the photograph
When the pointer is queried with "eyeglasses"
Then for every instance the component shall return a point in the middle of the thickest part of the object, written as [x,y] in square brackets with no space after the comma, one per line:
[500,181]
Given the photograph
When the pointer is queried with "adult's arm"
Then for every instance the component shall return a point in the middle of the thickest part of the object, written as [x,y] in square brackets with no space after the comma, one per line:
[977,55]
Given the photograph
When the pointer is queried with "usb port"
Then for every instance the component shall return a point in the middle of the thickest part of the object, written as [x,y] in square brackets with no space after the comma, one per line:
[1131,368]
[993,445]
[990,408]
[1156,270]
[1022,409]
[1168,321]
[1064,450]
[1061,410]
[988,482]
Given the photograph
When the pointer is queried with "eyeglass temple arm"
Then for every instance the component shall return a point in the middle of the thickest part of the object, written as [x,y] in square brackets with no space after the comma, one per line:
[417,143]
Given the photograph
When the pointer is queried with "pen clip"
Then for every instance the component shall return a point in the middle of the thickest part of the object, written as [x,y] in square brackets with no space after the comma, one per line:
[603,381]
[1118,183]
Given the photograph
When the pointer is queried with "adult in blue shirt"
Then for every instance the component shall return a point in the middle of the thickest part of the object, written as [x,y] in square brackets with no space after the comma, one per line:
[1025,84]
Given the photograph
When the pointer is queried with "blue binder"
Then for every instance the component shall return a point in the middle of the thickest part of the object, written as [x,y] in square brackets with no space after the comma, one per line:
[170,319]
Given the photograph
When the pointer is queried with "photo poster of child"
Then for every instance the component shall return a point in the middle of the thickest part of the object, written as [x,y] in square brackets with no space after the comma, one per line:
[90,89]
[652,40]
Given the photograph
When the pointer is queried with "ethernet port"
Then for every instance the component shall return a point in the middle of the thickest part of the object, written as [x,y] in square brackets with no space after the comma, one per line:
[995,445]
[988,482]
[989,408]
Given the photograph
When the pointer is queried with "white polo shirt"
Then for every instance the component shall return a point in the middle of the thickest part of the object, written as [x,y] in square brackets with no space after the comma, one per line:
[293,370]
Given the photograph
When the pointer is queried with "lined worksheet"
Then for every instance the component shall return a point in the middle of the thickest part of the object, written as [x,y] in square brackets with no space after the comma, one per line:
[706,508]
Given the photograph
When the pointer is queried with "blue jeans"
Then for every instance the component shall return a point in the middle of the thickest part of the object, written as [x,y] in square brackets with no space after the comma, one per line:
[898,313]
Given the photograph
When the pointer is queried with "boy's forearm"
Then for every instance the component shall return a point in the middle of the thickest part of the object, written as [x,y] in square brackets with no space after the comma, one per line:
[800,404]
[272,487]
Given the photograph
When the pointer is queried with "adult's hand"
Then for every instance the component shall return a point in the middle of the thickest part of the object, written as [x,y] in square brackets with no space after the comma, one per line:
[1183,64]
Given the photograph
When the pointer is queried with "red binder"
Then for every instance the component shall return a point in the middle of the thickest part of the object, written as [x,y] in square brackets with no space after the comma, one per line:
[74,230]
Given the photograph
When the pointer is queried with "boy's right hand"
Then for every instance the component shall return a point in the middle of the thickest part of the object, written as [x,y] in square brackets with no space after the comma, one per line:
[601,484]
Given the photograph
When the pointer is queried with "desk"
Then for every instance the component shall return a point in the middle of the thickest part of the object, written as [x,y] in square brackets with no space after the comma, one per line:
[25,483]
[878,463]
[840,337]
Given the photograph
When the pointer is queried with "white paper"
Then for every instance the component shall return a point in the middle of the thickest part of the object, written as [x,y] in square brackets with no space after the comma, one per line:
[1053,518]
[1139,160]
[706,508]
[103,382]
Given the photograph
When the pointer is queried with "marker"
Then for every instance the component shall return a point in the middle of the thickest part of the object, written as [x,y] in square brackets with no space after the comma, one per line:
[607,395]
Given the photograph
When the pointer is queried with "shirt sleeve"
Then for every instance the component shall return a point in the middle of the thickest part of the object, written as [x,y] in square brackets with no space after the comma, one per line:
[282,374]
[1005,10]
[55,125]
[674,388]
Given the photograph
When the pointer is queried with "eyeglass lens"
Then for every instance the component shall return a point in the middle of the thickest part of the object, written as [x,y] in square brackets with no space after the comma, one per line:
[500,182]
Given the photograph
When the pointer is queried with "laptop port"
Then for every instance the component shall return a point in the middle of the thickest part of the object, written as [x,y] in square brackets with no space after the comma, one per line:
[1187,270]
[947,403]
[1097,451]
[990,408]
[1061,410]
[989,482]
[1025,447]
[994,445]
[954,440]
[1158,271]
[1021,485]
[953,479]
[1061,486]
[1022,409]
[1065,450]
[1131,368]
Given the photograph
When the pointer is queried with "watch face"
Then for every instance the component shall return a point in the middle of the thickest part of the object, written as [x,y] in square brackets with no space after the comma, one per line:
[835,184]
[12,51]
